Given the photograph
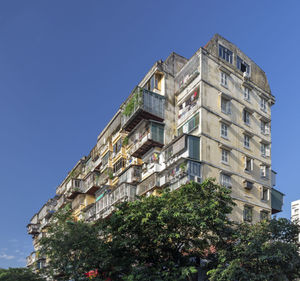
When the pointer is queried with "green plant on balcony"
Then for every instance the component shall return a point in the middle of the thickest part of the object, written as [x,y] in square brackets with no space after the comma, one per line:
[125,141]
[183,167]
[132,103]
[110,175]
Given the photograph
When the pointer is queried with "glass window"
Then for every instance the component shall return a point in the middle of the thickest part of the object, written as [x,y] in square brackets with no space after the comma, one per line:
[248,213]
[246,94]
[224,130]
[248,164]
[194,147]
[225,180]
[242,65]
[194,169]
[225,105]
[225,156]
[264,171]
[246,141]
[157,131]
[265,194]
[225,54]
[224,79]
[190,125]
[246,117]
[263,104]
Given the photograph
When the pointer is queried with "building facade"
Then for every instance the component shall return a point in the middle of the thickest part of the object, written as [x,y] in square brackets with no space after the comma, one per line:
[295,212]
[187,120]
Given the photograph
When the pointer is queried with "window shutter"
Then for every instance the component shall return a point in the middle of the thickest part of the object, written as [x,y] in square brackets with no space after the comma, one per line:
[267,128]
[245,162]
[251,164]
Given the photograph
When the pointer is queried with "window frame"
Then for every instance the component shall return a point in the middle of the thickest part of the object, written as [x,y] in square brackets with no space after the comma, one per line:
[224,130]
[225,54]
[225,156]
[246,117]
[248,217]
[224,79]
[225,108]
[247,141]
[226,183]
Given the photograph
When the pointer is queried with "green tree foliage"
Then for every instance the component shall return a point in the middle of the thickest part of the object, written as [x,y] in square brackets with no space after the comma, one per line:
[261,252]
[19,274]
[163,237]
[70,247]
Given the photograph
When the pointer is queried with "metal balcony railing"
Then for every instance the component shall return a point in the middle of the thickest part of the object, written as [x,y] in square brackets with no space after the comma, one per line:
[142,104]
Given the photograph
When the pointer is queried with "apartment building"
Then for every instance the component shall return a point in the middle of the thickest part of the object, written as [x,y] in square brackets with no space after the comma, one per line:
[187,120]
[295,212]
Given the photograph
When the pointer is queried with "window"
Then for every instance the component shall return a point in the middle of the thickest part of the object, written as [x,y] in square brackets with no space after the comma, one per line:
[265,194]
[120,164]
[154,82]
[190,125]
[263,104]
[157,132]
[225,154]
[117,147]
[248,164]
[105,158]
[224,130]
[246,141]
[248,185]
[242,65]
[264,215]
[224,79]
[248,213]
[194,147]
[225,180]
[246,117]
[264,127]
[264,171]
[225,105]
[225,54]
[246,94]
[265,150]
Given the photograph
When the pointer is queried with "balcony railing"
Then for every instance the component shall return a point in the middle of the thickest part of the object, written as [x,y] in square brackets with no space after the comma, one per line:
[131,174]
[33,229]
[276,201]
[90,213]
[31,259]
[124,192]
[153,137]
[143,104]
[91,183]
[148,184]
[74,187]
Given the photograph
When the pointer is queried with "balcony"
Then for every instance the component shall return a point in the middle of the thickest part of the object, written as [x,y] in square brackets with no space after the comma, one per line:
[147,135]
[30,260]
[132,174]
[33,229]
[105,205]
[74,187]
[142,104]
[46,212]
[276,201]
[91,183]
[185,146]
[148,184]
[90,213]
[181,173]
[61,202]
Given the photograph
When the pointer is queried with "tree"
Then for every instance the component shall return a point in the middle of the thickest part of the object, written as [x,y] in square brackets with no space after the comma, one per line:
[265,251]
[19,274]
[164,237]
[71,247]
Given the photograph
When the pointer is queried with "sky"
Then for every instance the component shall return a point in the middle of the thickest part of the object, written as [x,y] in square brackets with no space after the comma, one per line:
[66,66]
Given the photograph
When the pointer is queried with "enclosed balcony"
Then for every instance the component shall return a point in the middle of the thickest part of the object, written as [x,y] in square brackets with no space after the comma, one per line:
[91,183]
[74,187]
[276,201]
[148,184]
[90,212]
[147,135]
[180,173]
[105,205]
[185,146]
[142,104]
[132,174]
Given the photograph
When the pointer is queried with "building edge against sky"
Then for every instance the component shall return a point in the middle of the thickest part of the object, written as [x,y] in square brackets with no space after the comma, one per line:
[188,119]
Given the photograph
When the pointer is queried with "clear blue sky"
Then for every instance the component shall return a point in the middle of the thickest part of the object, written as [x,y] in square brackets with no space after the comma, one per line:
[66,66]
